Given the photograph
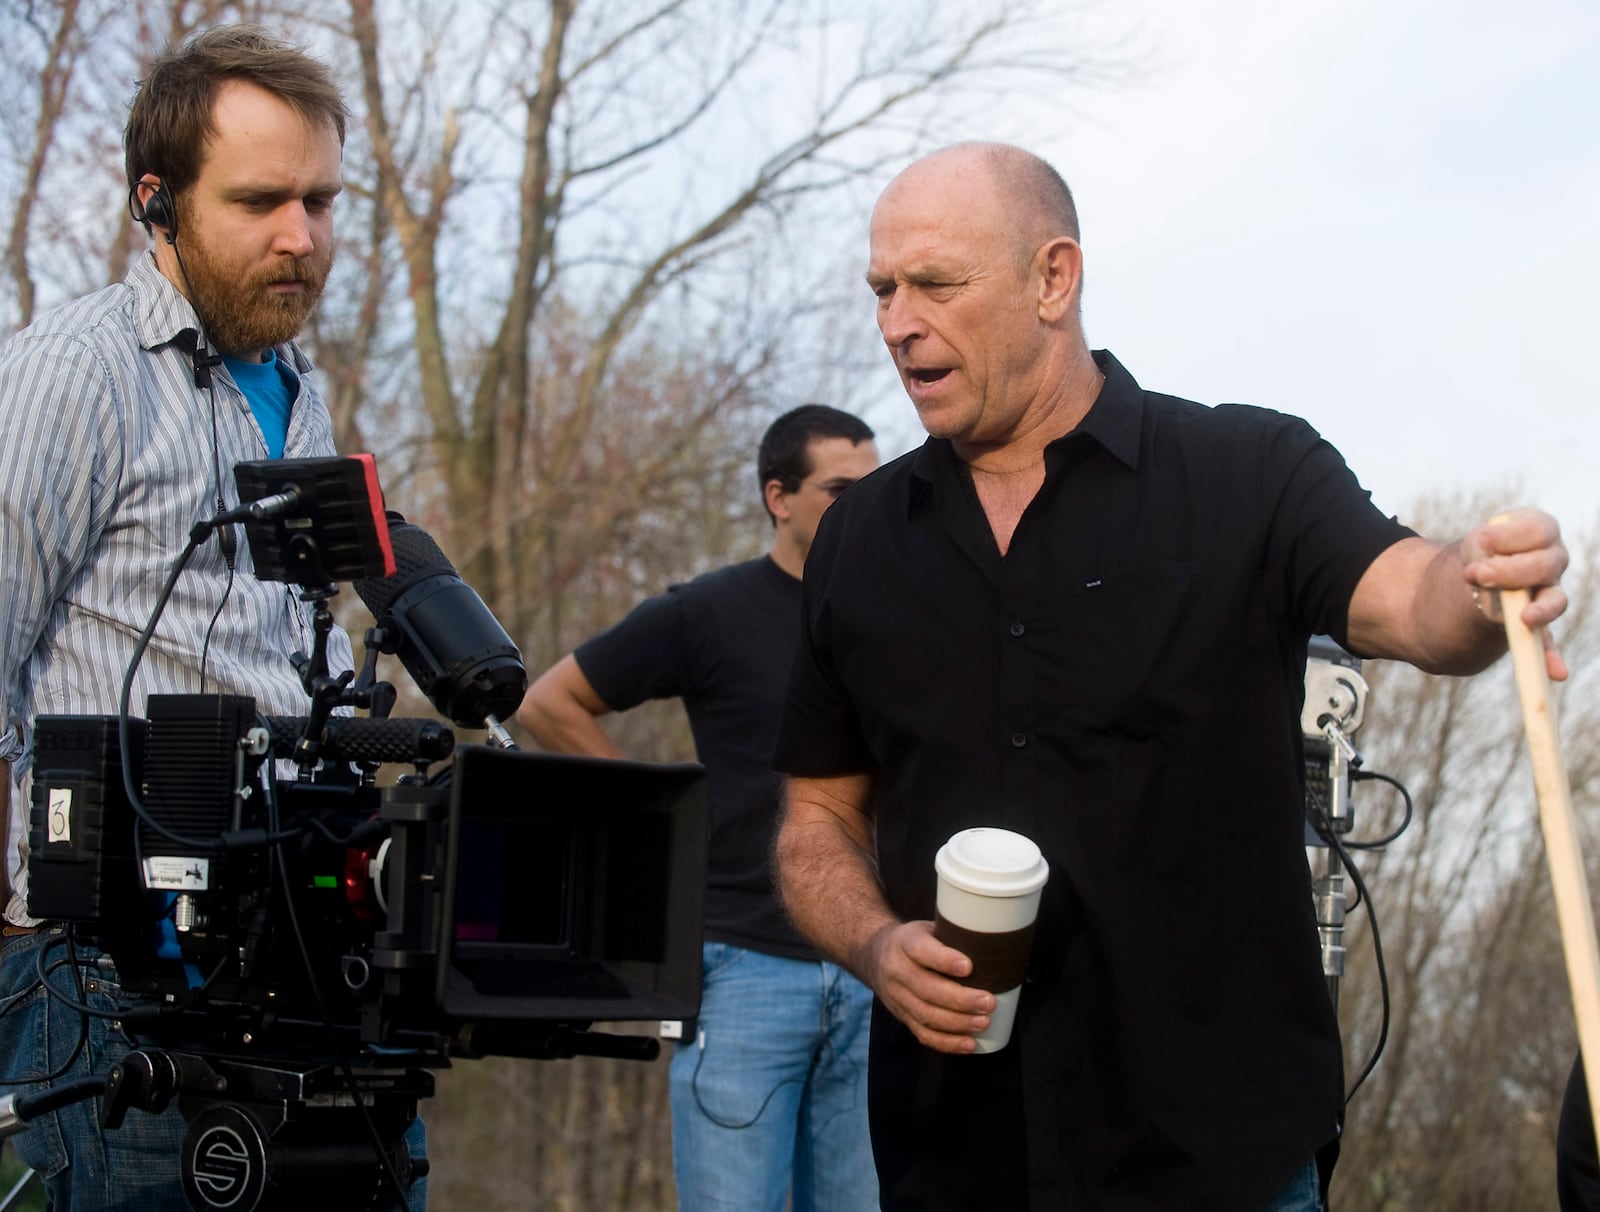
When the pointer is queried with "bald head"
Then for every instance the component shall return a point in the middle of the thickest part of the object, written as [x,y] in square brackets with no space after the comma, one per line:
[976,266]
[1026,191]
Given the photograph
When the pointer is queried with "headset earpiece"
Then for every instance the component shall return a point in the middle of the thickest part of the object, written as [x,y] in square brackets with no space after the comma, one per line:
[158,210]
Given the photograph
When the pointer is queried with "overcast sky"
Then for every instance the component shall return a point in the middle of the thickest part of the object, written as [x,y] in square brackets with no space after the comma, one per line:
[1382,215]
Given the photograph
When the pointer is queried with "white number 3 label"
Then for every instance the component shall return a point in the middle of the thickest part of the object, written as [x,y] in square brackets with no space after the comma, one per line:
[60,815]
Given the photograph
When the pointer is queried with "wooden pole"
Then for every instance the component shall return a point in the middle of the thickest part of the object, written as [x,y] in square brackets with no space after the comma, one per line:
[1568,878]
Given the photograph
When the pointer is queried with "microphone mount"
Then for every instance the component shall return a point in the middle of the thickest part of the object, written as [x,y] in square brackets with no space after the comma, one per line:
[263,509]
[202,358]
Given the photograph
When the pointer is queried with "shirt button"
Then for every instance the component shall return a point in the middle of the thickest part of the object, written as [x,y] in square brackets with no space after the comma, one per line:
[1017,630]
[1018,740]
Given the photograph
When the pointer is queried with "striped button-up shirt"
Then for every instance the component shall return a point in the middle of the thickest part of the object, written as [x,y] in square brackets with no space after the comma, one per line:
[107,459]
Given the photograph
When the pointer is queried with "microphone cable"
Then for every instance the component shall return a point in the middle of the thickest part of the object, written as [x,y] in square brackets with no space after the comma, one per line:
[247,839]
[203,359]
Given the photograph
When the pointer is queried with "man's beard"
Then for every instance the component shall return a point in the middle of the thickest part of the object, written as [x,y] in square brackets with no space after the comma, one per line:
[239,313]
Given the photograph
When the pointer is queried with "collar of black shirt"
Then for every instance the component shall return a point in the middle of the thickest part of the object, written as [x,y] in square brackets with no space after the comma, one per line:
[1115,422]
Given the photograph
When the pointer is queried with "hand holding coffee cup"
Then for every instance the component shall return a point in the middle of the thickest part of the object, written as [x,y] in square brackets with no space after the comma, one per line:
[989,885]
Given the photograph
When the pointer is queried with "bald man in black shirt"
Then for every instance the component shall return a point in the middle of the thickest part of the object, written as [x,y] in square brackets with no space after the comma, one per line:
[1080,611]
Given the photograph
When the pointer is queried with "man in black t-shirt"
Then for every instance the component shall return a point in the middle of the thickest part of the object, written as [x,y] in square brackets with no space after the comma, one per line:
[1080,611]
[769,1094]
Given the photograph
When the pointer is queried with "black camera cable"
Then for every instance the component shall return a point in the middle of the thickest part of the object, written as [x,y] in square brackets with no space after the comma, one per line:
[203,360]
[80,1003]
[16,999]
[1361,776]
[1326,831]
[1378,960]
[243,839]
[226,539]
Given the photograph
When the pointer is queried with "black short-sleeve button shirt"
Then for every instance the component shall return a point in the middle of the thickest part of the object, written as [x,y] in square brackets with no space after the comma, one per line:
[1123,686]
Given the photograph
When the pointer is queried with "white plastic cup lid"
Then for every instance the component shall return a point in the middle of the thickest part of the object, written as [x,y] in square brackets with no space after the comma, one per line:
[992,862]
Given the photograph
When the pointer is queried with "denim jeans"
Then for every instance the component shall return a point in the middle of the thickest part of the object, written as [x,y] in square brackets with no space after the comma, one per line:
[770,1097]
[133,1168]
[1303,1194]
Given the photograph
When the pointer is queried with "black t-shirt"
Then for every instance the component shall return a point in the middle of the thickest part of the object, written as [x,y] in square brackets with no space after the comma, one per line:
[1124,687]
[723,644]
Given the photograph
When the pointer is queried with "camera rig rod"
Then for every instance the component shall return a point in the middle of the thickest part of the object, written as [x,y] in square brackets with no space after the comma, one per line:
[17,1111]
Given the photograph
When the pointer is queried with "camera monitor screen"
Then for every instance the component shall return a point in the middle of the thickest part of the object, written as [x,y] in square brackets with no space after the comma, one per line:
[573,888]
[335,530]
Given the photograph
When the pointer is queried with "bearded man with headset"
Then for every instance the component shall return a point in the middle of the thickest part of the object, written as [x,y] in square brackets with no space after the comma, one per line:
[121,416]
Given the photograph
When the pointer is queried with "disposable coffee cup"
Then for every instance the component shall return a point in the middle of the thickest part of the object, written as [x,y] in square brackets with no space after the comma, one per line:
[989,884]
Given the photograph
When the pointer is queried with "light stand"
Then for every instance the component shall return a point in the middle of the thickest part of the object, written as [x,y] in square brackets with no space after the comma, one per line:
[1336,696]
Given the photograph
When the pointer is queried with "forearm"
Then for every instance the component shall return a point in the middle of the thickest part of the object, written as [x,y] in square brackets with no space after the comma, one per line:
[1437,606]
[825,872]
[567,733]
[828,881]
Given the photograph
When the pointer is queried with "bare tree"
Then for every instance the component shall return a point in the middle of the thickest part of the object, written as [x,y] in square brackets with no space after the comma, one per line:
[61,47]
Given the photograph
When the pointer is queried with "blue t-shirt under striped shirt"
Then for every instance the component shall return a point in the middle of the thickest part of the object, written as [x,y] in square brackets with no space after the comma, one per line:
[270,387]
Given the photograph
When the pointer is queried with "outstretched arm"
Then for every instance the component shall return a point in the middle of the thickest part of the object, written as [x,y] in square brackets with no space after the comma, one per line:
[1437,606]
[561,712]
[828,882]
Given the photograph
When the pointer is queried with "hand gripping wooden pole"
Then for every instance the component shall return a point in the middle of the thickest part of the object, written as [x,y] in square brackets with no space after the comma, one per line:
[1567,876]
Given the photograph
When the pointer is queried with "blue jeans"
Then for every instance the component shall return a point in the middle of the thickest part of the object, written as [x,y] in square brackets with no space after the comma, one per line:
[770,1097]
[133,1168]
[1303,1194]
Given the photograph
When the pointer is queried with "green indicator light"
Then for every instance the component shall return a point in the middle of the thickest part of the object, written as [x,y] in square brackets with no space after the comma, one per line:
[324,881]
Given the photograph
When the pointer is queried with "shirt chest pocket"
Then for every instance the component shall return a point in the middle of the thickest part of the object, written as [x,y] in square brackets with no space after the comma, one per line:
[1124,652]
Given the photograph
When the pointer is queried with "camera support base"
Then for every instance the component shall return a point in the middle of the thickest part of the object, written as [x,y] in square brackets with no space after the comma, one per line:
[279,1136]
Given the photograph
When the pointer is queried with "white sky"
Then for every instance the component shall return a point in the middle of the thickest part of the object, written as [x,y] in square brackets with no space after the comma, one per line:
[1381,215]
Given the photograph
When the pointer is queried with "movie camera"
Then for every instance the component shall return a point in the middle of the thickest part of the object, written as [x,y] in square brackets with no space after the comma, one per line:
[297,946]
